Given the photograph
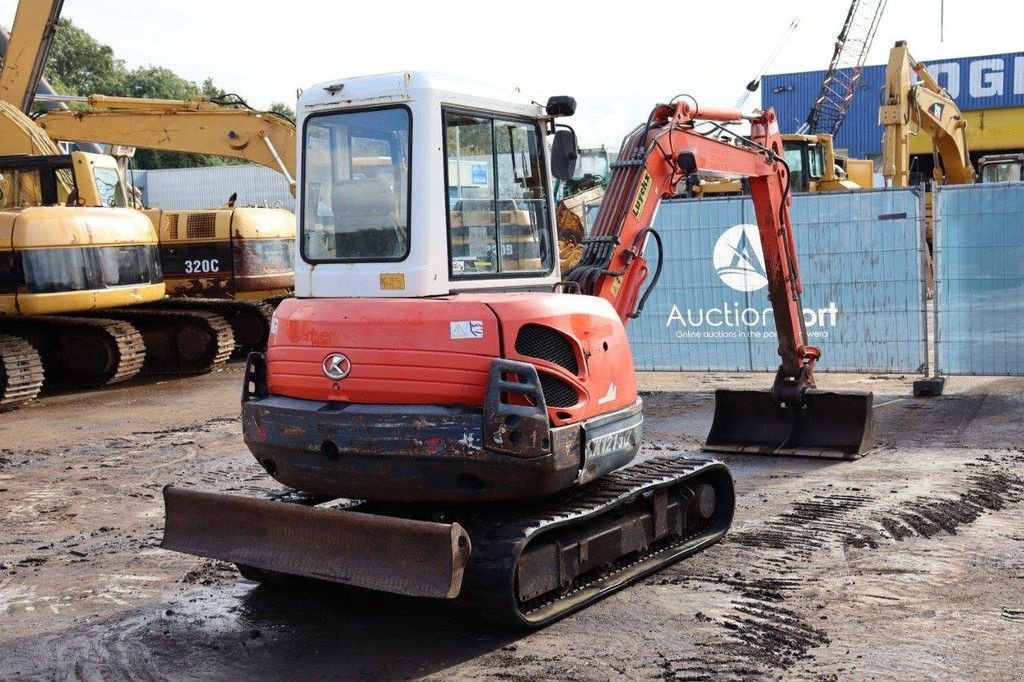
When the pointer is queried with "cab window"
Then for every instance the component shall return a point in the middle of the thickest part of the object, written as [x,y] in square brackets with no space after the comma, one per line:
[110,188]
[355,204]
[498,218]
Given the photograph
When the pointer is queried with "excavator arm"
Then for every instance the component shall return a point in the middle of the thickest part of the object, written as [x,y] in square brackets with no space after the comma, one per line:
[196,126]
[793,417]
[924,106]
[655,160]
[35,24]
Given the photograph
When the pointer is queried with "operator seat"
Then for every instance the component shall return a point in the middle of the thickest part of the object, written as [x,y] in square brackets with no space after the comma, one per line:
[366,219]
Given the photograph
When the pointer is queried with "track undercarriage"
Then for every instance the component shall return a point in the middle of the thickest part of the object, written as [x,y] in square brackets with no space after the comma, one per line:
[523,564]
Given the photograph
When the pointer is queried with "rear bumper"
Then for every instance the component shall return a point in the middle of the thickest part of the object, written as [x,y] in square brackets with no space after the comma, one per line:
[426,453]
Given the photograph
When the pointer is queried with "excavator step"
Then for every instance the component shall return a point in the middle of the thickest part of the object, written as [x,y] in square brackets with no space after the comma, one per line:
[829,424]
[523,565]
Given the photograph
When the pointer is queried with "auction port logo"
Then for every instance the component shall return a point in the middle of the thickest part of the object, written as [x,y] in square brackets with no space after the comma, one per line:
[739,259]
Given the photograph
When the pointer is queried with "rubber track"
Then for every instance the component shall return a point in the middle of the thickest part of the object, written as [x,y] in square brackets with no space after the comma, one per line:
[217,325]
[22,372]
[497,540]
[229,309]
[126,340]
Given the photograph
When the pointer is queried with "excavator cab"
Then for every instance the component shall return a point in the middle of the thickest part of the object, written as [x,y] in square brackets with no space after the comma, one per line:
[1001,168]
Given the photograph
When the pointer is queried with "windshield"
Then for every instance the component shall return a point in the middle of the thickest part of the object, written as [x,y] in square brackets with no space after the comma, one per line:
[593,163]
[108,184]
[795,161]
[497,196]
[355,204]
[1008,171]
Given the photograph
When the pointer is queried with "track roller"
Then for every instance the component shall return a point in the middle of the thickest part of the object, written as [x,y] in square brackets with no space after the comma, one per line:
[180,342]
[249,320]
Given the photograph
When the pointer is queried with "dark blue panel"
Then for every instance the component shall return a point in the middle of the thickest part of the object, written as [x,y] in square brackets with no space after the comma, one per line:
[985,82]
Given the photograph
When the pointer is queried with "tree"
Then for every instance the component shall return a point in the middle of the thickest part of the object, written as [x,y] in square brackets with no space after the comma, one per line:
[78,64]
[283,109]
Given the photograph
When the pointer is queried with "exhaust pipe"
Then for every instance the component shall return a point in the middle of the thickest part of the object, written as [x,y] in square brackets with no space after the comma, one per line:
[828,424]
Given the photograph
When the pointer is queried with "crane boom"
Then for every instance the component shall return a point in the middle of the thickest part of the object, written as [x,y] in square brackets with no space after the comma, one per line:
[844,70]
[196,126]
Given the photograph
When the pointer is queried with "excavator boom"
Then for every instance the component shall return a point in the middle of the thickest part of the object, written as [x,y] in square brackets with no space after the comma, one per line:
[792,418]
[192,126]
[910,108]
[35,24]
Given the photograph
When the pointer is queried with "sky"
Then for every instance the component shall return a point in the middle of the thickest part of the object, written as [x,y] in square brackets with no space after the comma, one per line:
[617,59]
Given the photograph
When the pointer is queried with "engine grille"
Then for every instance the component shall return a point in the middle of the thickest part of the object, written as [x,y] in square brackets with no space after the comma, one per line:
[557,393]
[171,225]
[544,343]
[201,225]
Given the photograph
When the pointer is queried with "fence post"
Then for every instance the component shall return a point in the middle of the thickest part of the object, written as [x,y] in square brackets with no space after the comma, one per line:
[932,384]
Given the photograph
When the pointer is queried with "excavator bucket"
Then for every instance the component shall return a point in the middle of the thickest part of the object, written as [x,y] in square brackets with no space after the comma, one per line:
[403,556]
[830,424]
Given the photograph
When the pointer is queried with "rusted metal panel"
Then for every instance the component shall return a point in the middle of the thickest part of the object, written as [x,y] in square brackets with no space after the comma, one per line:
[402,556]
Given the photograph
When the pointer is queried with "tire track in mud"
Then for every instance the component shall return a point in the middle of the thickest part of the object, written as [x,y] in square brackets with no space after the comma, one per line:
[759,635]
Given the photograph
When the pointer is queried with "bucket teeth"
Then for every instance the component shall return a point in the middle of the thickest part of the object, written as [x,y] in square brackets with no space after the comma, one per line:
[829,424]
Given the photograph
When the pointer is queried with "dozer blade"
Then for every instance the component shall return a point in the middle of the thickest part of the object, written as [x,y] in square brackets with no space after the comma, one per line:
[403,556]
[836,425]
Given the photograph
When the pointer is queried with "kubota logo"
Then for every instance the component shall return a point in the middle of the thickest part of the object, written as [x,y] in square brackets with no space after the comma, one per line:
[739,259]
[336,366]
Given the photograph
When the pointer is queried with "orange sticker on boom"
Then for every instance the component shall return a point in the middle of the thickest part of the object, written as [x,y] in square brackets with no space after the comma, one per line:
[641,194]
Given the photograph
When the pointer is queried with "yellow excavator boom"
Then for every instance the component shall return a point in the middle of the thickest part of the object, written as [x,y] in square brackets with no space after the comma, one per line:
[924,106]
[196,126]
[35,24]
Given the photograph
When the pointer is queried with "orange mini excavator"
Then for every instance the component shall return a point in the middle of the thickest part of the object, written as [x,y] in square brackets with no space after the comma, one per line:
[435,365]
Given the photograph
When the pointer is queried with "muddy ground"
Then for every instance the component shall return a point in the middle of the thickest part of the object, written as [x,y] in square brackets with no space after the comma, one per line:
[908,563]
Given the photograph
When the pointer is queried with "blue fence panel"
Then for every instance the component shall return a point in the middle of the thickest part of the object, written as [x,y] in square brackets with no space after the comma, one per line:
[861,261]
[979,255]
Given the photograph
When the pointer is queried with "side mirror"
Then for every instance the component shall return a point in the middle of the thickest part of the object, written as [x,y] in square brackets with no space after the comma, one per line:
[561,105]
[564,154]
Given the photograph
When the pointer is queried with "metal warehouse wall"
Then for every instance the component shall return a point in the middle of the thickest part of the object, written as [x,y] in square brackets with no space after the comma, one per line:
[985,82]
[211,187]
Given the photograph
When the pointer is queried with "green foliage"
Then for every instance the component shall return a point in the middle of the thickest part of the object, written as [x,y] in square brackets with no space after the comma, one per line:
[78,64]
[283,109]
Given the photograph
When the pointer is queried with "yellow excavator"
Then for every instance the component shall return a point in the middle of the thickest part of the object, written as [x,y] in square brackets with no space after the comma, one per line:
[68,244]
[239,256]
[75,260]
[814,165]
[910,107]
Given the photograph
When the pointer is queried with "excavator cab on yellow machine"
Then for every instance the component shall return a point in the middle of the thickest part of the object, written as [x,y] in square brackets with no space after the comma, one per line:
[437,365]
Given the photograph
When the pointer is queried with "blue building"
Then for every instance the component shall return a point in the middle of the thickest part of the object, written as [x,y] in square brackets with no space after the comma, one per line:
[989,90]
